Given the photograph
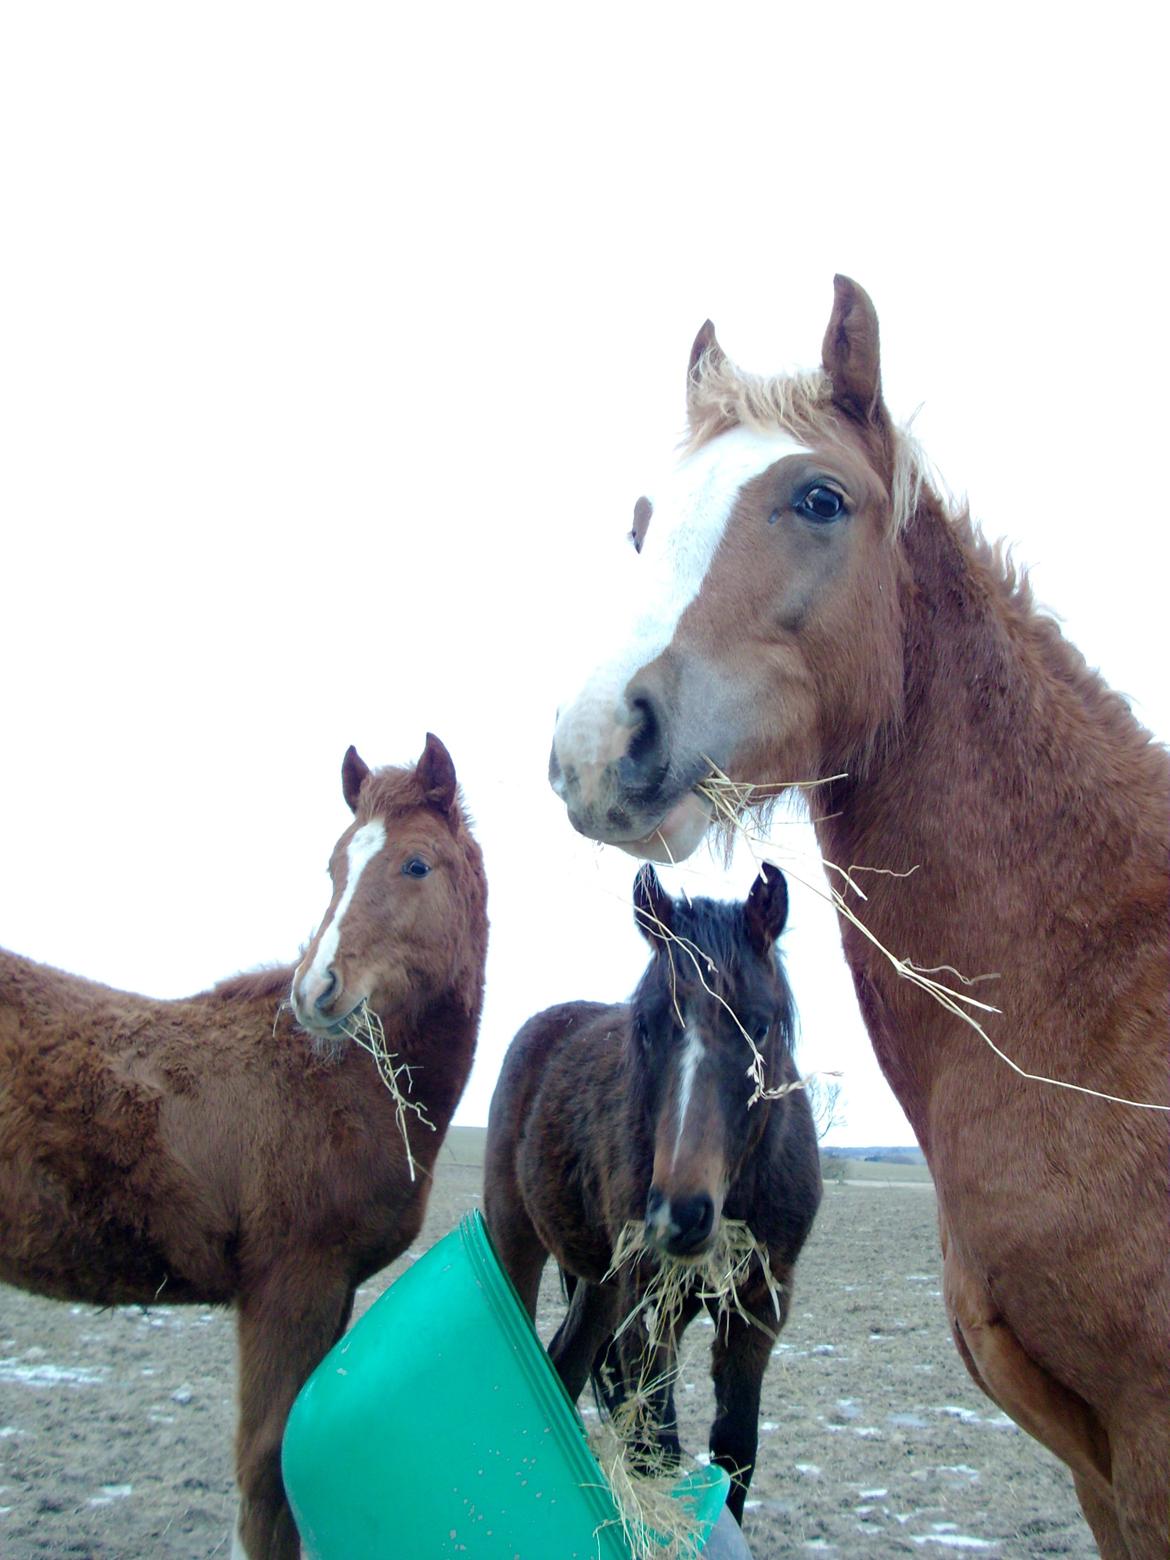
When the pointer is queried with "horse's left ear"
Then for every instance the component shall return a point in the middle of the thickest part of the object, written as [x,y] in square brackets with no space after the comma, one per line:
[850,353]
[766,910]
[705,354]
[354,770]
[435,774]
[653,907]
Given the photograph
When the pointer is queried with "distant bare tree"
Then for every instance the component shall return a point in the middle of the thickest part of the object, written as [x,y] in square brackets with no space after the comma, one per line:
[824,1096]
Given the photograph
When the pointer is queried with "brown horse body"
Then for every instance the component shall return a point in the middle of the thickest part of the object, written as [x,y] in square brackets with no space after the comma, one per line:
[848,624]
[206,1150]
[642,1111]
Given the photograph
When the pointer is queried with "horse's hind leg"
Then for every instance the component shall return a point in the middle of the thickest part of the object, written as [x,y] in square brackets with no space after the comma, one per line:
[739,1358]
[285,1325]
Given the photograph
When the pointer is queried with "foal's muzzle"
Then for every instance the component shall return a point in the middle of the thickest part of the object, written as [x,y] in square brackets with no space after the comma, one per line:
[680,1226]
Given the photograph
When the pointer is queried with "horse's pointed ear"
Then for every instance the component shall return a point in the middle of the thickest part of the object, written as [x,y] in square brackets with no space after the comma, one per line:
[353,772]
[766,910]
[850,353]
[705,354]
[653,907]
[436,775]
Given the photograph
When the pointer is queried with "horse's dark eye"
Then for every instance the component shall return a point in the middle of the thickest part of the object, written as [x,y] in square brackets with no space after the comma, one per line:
[821,504]
[416,867]
[760,1033]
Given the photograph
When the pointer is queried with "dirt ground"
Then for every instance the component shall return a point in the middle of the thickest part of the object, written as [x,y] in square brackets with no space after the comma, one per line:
[116,1426]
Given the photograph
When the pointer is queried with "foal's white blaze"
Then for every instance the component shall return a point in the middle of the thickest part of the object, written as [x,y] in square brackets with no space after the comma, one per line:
[688,1065]
[691,511]
[367,842]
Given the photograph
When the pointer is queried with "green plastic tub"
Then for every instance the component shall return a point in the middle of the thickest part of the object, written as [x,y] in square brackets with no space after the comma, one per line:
[438,1427]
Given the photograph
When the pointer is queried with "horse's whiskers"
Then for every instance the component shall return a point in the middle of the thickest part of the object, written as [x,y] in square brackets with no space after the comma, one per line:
[364,1027]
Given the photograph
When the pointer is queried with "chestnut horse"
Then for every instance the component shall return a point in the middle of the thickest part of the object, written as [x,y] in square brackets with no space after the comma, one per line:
[644,1111]
[205,1151]
[813,610]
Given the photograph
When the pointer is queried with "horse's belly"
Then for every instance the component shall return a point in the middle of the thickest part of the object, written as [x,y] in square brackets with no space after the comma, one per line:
[57,1242]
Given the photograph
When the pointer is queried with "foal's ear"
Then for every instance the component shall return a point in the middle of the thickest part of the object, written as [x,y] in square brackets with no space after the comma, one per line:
[653,907]
[436,775]
[766,910]
[850,353]
[353,772]
[705,354]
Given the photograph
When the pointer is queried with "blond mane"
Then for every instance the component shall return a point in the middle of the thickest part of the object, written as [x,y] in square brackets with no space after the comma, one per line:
[723,395]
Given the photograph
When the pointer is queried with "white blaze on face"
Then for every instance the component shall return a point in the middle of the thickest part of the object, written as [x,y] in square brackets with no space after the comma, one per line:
[688,1065]
[690,515]
[365,844]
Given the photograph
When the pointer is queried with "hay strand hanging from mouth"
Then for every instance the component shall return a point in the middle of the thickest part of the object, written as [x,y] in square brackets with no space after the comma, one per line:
[731,800]
[713,1278]
[364,1028]
[654,1524]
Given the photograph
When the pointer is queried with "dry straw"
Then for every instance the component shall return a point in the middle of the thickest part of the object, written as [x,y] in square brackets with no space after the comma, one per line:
[732,800]
[364,1028]
[654,1524]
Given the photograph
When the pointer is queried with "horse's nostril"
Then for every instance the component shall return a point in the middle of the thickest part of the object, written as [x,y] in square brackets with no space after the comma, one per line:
[693,1219]
[328,991]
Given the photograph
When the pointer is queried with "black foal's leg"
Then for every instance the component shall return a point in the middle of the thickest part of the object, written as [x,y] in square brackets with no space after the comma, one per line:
[650,1375]
[591,1316]
[739,1358]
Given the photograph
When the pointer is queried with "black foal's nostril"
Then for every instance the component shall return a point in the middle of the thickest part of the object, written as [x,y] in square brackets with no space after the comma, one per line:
[328,991]
[693,1219]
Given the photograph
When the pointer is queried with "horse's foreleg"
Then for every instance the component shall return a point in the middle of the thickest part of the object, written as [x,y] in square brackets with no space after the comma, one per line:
[285,1325]
[739,1358]
[647,1377]
[591,1317]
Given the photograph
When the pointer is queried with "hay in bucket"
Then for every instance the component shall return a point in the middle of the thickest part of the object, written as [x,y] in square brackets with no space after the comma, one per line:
[655,1524]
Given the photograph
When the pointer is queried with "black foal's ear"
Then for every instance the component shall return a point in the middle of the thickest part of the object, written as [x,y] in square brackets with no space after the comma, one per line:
[353,772]
[766,910]
[436,775]
[653,907]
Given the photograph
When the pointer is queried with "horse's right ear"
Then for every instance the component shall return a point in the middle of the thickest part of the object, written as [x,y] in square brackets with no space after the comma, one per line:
[705,354]
[436,775]
[653,907]
[353,772]
[766,910]
[850,356]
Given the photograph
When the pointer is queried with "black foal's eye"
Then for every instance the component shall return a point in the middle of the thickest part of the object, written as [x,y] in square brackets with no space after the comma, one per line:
[821,504]
[760,1033]
[416,867]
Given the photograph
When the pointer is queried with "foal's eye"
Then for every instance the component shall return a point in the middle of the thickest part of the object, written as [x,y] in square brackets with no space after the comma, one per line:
[821,504]
[760,1033]
[416,867]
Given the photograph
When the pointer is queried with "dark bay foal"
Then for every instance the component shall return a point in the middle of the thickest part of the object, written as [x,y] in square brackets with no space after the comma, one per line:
[643,1111]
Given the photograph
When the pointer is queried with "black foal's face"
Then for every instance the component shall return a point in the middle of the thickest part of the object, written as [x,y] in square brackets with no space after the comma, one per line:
[694,1031]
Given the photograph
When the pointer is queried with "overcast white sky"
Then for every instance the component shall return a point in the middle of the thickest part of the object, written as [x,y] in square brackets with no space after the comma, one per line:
[336,344]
